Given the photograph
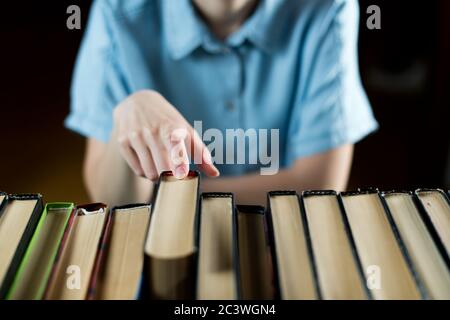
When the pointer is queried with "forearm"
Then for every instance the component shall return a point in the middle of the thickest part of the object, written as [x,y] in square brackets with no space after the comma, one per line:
[328,170]
[253,188]
[109,179]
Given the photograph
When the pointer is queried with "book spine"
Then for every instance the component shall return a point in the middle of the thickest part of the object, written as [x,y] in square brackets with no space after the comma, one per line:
[24,241]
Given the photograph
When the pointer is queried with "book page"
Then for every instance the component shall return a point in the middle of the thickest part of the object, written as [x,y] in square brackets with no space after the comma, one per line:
[438,210]
[171,232]
[254,256]
[422,250]
[13,223]
[78,258]
[339,277]
[31,283]
[378,249]
[216,272]
[125,256]
[293,261]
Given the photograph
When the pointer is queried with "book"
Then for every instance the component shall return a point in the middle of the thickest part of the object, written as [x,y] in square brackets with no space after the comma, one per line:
[356,245]
[171,244]
[77,255]
[339,273]
[31,278]
[255,267]
[18,219]
[218,261]
[3,198]
[431,267]
[291,252]
[120,264]
[388,274]
[436,205]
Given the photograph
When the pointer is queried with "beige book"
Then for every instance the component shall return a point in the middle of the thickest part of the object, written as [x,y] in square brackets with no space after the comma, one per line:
[387,273]
[338,275]
[121,272]
[13,222]
[217,276]
[170,247]
[438,209]
[33,274]
[74,268]
[425,256]
[2,198]
[295,274]
[254,255]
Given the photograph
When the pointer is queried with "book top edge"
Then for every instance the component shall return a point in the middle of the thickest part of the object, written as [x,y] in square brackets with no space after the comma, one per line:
[359,192]
[191,173]
[131,206]
[96,206]
[428,190]
[309,193]
[25,196]
[396,192]
[282,193]
[217,195]
[255,209]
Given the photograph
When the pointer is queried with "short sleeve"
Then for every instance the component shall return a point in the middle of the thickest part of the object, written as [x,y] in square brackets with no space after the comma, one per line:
[332,108]
[97,83]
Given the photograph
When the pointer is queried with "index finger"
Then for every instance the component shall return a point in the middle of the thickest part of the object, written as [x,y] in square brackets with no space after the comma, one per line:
[178,153]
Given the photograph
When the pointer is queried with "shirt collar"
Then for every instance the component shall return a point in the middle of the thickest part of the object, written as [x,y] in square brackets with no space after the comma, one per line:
[185,31]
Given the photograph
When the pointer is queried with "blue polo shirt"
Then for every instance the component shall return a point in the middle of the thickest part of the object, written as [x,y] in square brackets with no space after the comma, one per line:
[292,66]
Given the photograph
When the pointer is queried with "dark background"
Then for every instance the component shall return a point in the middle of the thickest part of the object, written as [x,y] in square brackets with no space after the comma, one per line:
[405,68]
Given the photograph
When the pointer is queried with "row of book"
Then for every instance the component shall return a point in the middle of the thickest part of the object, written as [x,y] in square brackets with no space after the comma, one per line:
[191,245]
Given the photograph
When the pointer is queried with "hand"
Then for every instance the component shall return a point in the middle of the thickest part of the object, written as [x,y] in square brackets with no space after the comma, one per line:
[154,137]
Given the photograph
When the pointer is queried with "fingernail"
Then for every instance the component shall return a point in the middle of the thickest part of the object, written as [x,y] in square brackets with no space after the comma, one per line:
[180,173]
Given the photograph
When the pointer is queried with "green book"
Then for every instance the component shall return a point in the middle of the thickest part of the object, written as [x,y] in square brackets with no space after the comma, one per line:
[31,278]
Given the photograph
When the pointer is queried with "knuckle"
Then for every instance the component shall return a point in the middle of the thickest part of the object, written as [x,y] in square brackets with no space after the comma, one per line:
[134,135]
[146,133]
[154,131]
[123,141]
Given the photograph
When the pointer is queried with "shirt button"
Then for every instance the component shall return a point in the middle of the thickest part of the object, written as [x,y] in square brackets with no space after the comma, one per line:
[230,106]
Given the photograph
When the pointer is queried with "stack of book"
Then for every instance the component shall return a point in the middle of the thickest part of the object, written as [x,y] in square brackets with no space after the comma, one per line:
[190,245]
